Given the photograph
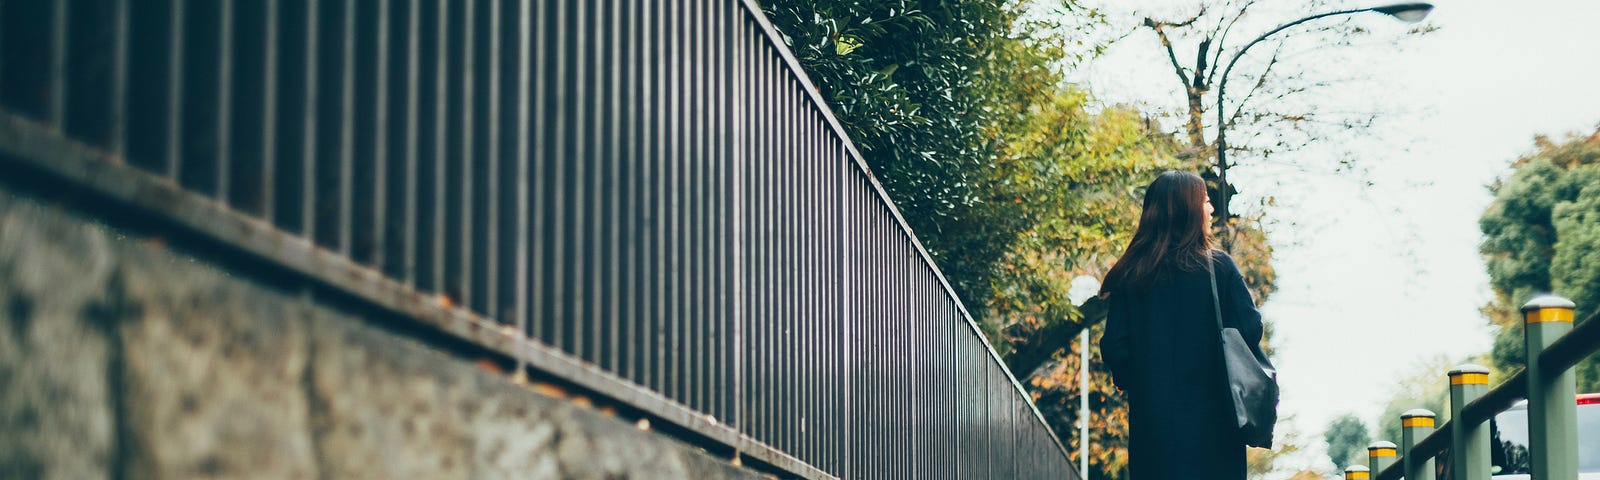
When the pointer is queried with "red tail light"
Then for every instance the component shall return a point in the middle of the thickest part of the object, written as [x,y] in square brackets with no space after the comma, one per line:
[1588,398]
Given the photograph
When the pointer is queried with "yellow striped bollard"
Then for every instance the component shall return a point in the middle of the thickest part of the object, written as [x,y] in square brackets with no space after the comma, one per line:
[1552,412]
[1415,425]
[1469,443]
[1355,472]
[1380,455]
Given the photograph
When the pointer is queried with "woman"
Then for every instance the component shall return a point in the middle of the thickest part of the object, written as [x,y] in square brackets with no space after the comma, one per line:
[1161,341]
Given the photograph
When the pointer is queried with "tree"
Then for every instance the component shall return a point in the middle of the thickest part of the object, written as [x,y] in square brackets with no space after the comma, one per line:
[924,88]
[1347,437]
[1539,235]
[1270,111]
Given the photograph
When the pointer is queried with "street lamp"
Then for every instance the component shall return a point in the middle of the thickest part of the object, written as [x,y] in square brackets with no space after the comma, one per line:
[1405,12]
[1083,288]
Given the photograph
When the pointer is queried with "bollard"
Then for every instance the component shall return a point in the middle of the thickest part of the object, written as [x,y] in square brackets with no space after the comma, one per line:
[1469,443]
[1354,472]
[1552,412]
[1415,425]
[1380,455]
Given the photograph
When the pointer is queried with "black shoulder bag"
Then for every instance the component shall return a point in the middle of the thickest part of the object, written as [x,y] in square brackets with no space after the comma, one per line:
[1252,380]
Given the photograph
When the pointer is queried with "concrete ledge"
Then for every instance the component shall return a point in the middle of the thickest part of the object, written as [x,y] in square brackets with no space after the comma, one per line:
[122,358]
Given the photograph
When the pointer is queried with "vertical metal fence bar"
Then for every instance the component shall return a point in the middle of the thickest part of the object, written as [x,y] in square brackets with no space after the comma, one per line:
[718,295]
[628,73]
[780,268]
[487,220]
[763,413]
[676,162]
[769,219]
[308,125]
[819,294]
[843,316]
[345,217]
[800,259]
[790,162]
[270,81]
[525,60]
[465,165]
[377,237]
[641,81]
[739,76]
[57,104]
[586,176]
[565,152]
[821,373]
[440,144]
[821,318]
[566,87]
[905,380]
[174,96]
[411,146]
[224,114]
[613,288]
[884,365]
[694,162]
[538,303]
[693,188]
[662,134]
[722,377]
[779,310]
[711,195]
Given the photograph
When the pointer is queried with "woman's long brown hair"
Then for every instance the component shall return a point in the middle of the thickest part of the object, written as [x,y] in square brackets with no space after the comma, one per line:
[1172,233]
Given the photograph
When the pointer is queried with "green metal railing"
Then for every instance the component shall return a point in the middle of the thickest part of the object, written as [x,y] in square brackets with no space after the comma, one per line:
[1554,345]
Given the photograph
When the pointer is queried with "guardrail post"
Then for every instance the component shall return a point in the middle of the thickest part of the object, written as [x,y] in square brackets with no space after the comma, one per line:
[1552,412]
[1469,442]
[1354,472]
[1415,425]
[1380,455]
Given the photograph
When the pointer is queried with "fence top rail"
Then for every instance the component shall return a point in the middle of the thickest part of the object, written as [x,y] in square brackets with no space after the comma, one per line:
[1567,351]
[753,8]
[1574,346]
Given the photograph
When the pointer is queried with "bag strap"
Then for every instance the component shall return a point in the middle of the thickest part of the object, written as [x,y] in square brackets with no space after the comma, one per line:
[1216,304]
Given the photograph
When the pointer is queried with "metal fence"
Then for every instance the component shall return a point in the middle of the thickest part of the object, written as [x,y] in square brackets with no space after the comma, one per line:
[1462,446]
[646,200]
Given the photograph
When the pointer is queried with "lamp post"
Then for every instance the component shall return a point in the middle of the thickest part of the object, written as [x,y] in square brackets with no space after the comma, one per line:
[1083,288]
[1405,12]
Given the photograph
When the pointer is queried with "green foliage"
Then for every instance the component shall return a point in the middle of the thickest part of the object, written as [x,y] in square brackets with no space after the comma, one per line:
[1080,177]
[1540,235]
[925,88]
[1347,439]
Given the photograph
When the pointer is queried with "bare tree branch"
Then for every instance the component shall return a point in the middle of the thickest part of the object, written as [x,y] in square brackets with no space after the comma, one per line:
[1261,80]
[1222,42]
[1166,43]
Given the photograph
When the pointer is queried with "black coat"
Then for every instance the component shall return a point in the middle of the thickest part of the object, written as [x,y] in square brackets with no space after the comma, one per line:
[1165,354]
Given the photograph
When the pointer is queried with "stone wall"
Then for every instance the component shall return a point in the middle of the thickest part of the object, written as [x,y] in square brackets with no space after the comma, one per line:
[121,357]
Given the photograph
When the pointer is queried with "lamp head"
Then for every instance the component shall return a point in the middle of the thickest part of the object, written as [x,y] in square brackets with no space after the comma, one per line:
[1406,12]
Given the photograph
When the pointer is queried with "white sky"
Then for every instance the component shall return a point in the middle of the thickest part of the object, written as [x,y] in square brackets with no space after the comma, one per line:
[1373,280]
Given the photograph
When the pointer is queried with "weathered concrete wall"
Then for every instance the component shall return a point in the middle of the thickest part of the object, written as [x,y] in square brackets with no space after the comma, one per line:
[122,358]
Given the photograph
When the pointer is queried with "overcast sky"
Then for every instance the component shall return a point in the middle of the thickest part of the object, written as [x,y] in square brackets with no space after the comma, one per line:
[1375,279]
